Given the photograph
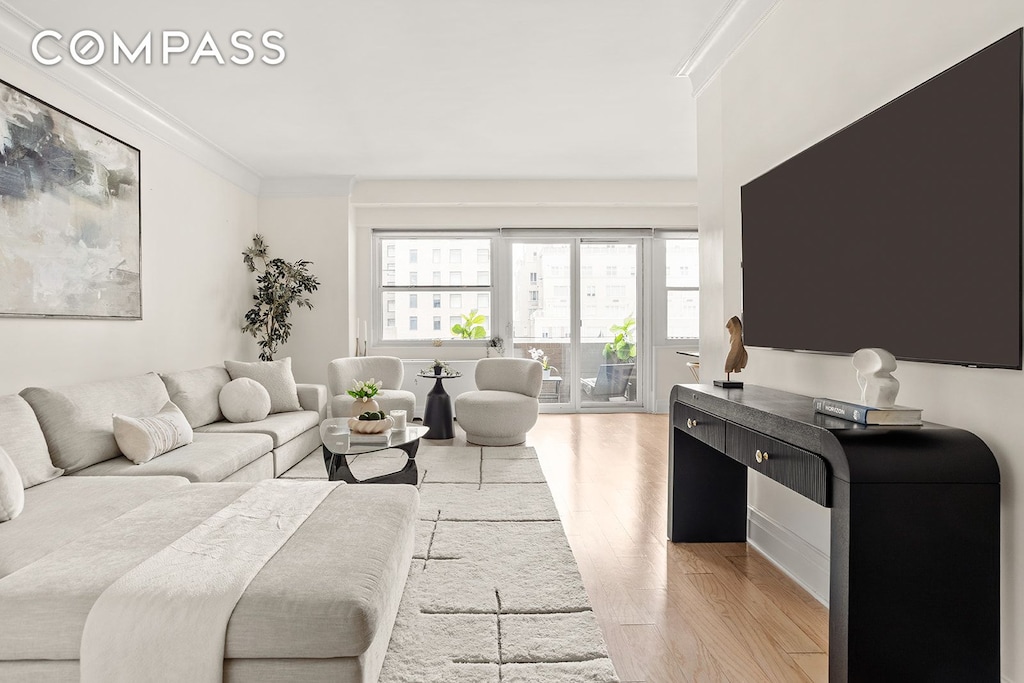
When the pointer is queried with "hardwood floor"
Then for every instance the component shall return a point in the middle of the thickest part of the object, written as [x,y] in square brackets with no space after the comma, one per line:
[669,612]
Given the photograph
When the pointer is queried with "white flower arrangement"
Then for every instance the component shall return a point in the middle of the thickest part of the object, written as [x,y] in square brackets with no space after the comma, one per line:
[364,390]
[538,354]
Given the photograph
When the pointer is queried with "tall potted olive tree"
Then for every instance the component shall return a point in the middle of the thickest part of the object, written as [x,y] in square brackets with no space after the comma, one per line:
[280,285]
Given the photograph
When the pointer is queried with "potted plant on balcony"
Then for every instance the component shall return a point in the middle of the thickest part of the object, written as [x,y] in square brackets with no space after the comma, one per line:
[538,355]
[622,347]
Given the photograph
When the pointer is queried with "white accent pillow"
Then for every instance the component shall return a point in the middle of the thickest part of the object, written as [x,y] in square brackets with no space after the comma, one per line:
[12,491]
[141,439]
[244,400]
[275,376]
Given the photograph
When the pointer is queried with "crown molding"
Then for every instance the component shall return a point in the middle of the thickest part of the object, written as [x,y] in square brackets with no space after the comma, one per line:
[102,89]
[730,29]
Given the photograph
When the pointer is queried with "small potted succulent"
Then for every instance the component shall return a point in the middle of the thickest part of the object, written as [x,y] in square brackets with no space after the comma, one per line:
[441,368]
[363,391]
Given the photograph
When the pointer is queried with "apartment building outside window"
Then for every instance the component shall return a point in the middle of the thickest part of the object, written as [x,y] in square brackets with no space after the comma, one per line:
[682,286]
[453,286]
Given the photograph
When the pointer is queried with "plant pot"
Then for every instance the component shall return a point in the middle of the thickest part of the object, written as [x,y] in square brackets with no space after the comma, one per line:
[361,406]
[437,369]
[546,373]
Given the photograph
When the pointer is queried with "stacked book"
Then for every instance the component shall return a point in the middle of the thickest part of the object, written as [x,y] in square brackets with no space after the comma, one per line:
[867,415]
[364,439]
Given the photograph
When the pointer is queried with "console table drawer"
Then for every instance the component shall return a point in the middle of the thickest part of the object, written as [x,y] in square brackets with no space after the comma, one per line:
[700,425]
[795,468]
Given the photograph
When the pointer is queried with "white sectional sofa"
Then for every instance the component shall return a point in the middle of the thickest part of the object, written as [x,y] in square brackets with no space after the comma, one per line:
[76,421]
[321,609]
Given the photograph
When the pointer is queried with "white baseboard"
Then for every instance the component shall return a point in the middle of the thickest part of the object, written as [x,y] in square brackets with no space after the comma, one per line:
[797,558]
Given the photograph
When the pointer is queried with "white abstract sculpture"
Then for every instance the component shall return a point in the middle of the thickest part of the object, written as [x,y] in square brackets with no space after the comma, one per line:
[878,388]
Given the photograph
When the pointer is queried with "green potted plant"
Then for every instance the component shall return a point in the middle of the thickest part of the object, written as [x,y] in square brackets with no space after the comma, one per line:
[471,327]
[439,367]
[279,286]
[363,391]
[622,347]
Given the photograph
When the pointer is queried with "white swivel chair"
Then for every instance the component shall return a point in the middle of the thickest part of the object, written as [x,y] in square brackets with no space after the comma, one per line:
[505,405]
[341,372]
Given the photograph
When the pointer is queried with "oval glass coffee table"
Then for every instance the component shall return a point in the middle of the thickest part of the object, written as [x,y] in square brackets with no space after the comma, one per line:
[338,445]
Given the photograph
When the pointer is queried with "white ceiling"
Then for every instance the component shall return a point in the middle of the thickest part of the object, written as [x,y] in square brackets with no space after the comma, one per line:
[416,88]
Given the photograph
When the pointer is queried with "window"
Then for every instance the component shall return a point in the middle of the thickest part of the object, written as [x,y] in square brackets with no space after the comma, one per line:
[591,290]
[391,306]
[454,320]
[442,290]
[682,287]
[611,271]
[534,295]
[533,278]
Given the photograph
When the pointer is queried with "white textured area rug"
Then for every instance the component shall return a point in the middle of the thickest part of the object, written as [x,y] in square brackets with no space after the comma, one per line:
[494,593]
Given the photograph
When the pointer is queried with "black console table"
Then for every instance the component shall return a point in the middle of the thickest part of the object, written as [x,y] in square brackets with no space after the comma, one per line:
[914,586]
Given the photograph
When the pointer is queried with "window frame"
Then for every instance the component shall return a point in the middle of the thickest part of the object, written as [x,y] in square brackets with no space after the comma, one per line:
[662,289]
[380,287]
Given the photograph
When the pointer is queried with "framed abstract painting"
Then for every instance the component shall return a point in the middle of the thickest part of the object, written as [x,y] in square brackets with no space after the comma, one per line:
[70,215]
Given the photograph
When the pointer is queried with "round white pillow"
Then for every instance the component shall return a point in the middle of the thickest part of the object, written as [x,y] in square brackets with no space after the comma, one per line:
[244,400]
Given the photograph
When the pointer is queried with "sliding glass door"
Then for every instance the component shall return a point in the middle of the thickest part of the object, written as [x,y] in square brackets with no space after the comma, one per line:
[542,314]
[609,298]
[574,306]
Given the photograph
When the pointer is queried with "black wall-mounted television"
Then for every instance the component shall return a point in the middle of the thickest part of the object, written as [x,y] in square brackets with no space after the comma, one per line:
[900,231]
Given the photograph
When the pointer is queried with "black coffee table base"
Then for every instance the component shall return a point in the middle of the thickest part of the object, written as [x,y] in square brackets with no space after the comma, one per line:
[338,469]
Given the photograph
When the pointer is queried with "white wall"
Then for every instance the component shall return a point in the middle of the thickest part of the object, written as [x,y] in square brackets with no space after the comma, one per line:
[492,204]
[314,228]
[810,69]
[194,227]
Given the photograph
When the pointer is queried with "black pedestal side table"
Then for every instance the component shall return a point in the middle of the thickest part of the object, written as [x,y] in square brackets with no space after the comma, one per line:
[438,412]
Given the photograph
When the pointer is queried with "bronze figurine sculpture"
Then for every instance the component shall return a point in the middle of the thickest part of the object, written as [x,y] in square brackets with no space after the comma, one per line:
[737,358]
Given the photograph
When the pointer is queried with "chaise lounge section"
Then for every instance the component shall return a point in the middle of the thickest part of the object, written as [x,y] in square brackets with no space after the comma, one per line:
[320,609]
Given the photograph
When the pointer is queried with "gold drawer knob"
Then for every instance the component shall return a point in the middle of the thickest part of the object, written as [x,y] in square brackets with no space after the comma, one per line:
[691,423]
[761,457]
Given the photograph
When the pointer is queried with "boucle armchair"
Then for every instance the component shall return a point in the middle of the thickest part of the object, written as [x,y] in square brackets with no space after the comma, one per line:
[341,372]
[505,406]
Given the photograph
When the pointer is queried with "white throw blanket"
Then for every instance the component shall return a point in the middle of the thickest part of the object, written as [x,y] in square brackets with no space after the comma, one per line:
[165,620]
